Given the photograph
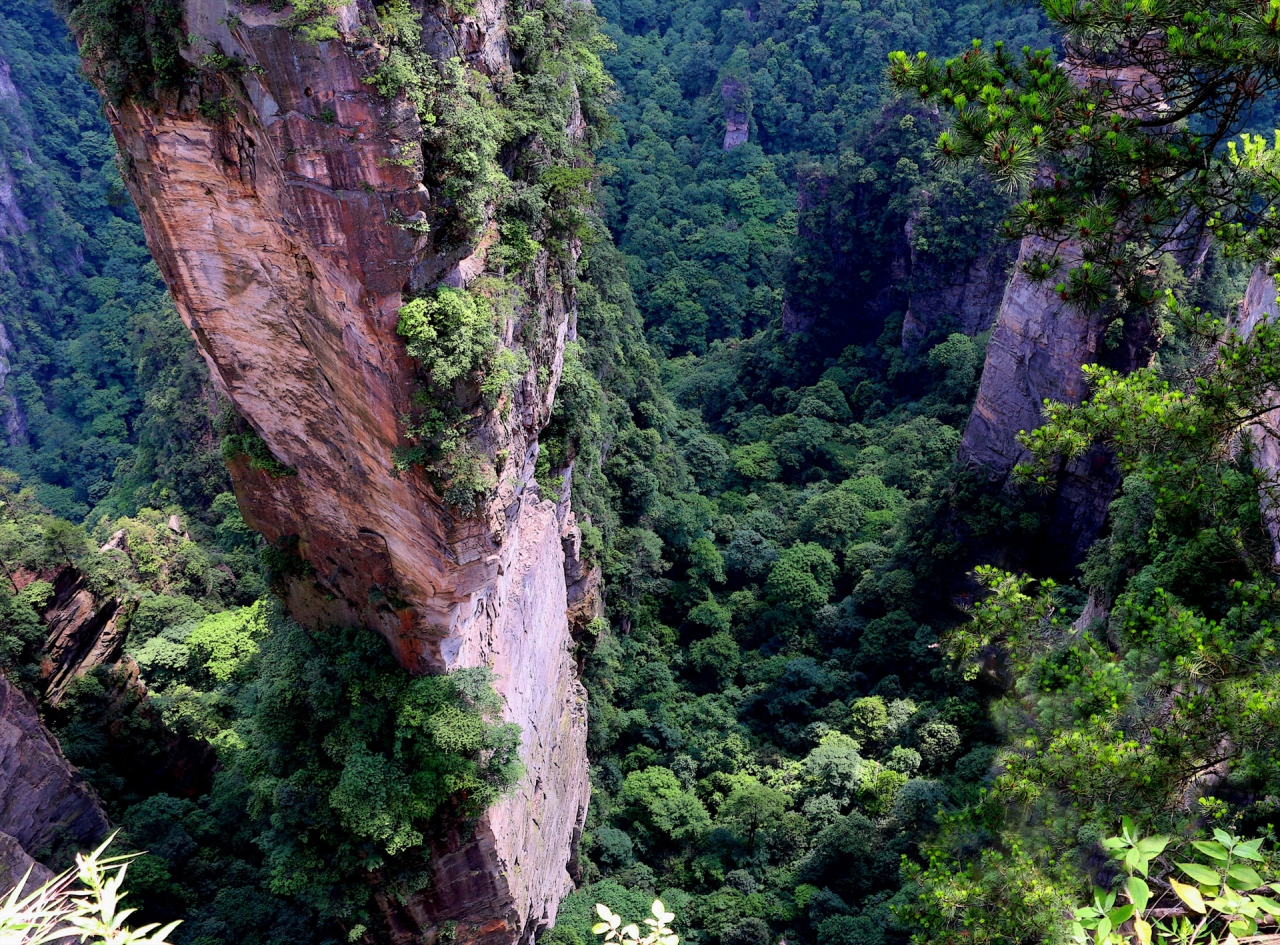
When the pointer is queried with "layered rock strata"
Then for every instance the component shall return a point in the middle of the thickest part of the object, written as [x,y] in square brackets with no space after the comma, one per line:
[279,202]
[83,630]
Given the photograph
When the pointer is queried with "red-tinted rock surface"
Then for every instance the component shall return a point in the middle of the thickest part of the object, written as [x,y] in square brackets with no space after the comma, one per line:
[44,803]
[272,223]
[83,631]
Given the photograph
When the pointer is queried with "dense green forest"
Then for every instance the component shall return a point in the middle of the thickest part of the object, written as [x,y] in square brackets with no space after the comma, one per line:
[802,725]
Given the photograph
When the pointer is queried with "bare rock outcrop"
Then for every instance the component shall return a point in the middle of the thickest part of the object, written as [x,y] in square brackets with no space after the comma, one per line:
[967,296]
[45,805]
[1037,349]
[84,630]
[1262,303]
[736,113]
[279,200]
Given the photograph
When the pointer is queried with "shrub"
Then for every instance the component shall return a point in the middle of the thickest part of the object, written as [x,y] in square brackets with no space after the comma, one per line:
[449,334]
[349,758]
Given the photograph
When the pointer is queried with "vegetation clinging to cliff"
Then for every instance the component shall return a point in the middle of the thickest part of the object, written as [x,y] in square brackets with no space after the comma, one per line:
[136,48]
[511,153]
[488,141]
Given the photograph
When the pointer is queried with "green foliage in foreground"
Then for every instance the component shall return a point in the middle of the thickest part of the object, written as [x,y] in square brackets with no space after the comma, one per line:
[1164,705]
[86,902]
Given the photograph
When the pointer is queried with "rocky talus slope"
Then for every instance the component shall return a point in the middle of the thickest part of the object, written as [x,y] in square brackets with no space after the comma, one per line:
[275,199]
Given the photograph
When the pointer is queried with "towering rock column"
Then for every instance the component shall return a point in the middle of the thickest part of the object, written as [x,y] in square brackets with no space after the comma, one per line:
[1037,348]
[1039,343]
[282,200]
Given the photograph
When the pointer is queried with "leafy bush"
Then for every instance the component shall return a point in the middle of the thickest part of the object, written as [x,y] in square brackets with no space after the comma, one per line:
[349,760]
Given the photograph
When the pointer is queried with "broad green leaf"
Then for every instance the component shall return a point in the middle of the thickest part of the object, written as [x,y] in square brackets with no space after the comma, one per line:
[1246,875]
[1104,929]
[1113,843]
[1201,874]
[1243,926]
[1212,848]
[1143,928]
[1249,851]
[1121,915]
[1188,894]
[1153,846]
[1267,905]
[1139,892]
[1126,824]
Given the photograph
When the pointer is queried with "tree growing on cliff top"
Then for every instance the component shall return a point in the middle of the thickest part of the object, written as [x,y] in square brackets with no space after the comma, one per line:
[1125,145]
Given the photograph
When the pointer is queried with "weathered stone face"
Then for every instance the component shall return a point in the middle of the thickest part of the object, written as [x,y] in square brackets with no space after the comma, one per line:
[970,294]
[736,118]
[271,218]
[44,802]
[1259,305]
[1037,349]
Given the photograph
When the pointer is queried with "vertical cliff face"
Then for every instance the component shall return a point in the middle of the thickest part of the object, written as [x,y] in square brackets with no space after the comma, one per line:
[1037,348]
[13,223]
[736,118]
[1260,304]
[285,204]
[968,295]
[45,805]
